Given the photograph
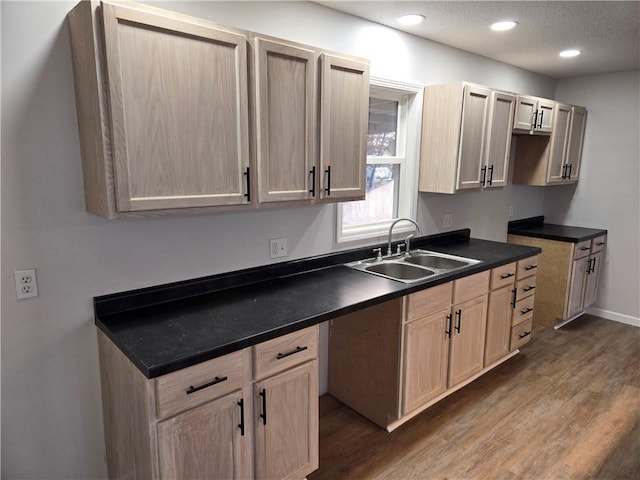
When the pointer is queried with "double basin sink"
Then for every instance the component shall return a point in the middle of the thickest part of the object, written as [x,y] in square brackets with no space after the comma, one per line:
[414,266]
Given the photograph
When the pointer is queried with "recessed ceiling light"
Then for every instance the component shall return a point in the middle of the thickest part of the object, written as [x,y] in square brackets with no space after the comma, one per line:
[412,19]
[502,26]
[570,53]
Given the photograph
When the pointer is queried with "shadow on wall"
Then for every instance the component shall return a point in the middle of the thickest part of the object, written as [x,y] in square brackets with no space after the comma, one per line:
[42,181]
[558,202]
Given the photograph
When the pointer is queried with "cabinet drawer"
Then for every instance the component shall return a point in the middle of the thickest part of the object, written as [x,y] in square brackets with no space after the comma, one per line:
[523,310]
[200,383]
[521,334]
[527,267]
[429,300]
[525,287]
[470,287]
[597,244]
[284,352]
[503,276]
[582,249]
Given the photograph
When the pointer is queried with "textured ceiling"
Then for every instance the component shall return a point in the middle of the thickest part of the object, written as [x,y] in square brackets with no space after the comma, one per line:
[607,32]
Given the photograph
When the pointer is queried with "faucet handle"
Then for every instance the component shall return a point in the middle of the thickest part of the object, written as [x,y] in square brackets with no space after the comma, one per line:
[408,243]
[399,248]
[378,252]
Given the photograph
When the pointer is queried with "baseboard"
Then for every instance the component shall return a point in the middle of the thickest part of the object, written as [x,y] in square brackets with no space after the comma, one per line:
[616,317]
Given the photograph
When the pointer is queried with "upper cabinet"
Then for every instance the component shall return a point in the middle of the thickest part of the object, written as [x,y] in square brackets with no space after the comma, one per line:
[466,137]
[556,159]
[343,128]
[533,115]
[165,104]
[285,78]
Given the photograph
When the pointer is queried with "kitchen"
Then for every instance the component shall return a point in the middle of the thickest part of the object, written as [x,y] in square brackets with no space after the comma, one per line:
[51,403]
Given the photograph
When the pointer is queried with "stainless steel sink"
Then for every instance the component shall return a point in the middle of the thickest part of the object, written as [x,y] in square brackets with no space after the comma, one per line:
[416,266]
[401,271]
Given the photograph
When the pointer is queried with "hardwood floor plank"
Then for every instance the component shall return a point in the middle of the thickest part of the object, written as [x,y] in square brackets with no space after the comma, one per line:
[566,408]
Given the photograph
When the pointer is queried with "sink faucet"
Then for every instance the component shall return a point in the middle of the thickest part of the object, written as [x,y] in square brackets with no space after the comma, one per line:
[391,232]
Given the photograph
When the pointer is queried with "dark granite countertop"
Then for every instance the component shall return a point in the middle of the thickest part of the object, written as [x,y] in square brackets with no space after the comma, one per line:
[165,328]
[535,227]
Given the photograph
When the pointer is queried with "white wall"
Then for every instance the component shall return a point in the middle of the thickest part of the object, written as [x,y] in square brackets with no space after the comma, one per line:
[607,195]
[51,410]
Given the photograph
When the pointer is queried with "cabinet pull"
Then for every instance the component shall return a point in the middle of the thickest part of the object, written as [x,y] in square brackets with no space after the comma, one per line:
[292,352]
[484,175]
[525,311]
[530,267]
[522,335]
[458,320]
[570,168]
[241,424]
[592,266]
[585,248]
[312,172]
[507,275]
[449,321]
[515,294]
[328,172]
[491,175]
[599,244]
[535,120]
[527,288]
[541,117]
[564,171]
[215,381]
[263,415]
[248,194]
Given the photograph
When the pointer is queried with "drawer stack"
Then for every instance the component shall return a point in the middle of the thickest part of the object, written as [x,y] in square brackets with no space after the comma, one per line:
[523,300]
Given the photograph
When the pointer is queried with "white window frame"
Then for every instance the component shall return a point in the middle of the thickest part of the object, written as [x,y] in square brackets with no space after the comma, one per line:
[409,97]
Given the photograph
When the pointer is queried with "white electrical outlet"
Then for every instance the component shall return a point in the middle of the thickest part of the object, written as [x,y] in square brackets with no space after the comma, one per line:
[26,283]
[510,210]
[278,248]
[447,222]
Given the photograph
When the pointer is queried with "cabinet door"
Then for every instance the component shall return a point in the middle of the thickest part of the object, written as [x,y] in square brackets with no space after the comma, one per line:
[576,287]
[576,140]
[205,442]
[524,114]
[286,430]
[178,104]
[344,108]
[285,111]
[558,144]
[426,359]
[498,143]
[545,111]
[475,112]
[593,274]
[467,343]
[498,324]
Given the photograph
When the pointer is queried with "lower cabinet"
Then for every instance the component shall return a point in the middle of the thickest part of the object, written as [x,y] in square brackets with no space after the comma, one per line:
[286,434]
[410,353]
[567,277]
[190,444]
[249,414]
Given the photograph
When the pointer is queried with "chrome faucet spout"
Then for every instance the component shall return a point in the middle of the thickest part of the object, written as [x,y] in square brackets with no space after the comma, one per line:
[391,233]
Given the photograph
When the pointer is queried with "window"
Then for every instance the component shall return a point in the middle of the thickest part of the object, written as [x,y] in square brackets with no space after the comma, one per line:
[393,143]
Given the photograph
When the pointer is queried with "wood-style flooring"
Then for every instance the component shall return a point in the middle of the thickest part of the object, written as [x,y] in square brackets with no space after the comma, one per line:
[566,407]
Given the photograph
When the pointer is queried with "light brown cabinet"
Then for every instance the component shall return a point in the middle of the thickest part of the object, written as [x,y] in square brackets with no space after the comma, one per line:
[312,128]
[163,115]
[285,107]
[165,101]
[523,302]
[556,159]
[466,137]
[249,414]
[567,277]
[499,313]
[410,353]
[533,115]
